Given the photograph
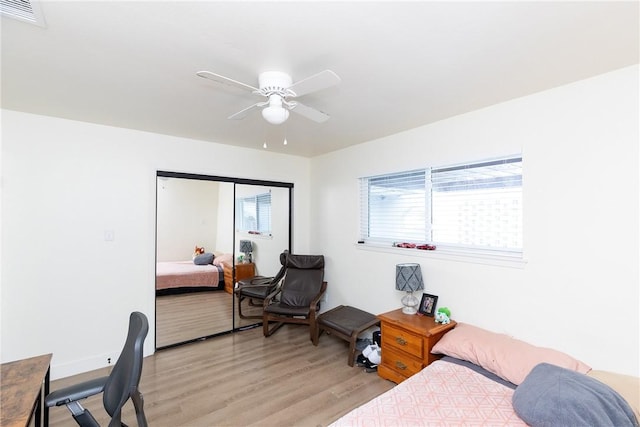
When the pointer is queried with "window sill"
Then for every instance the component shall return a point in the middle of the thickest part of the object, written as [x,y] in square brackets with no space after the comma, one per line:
[246,234]
[468,256]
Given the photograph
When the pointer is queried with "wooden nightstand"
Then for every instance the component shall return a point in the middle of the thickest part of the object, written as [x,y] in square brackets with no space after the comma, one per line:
[407,340]
[243,271]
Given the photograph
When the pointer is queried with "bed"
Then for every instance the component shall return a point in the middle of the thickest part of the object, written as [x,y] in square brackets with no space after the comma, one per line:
[445,392]
[185,276]
[488,379]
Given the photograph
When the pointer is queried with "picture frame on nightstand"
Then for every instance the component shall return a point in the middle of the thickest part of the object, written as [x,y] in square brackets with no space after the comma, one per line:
[428,304]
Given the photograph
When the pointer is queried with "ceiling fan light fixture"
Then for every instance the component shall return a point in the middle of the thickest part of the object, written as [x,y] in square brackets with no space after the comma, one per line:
[275,115]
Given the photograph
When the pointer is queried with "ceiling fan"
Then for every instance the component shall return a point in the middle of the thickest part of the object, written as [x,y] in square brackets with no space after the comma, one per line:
[279,90]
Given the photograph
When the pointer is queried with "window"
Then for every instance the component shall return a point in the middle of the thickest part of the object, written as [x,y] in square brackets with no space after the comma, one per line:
[473,206]
[396,207]
[253,214]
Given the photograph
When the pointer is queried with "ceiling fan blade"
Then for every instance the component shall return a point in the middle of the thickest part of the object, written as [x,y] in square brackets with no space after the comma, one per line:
[310,113]
[322,80]
[226,81]
[243,113]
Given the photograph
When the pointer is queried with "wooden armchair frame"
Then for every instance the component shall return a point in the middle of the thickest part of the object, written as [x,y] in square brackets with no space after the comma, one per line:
[311,319]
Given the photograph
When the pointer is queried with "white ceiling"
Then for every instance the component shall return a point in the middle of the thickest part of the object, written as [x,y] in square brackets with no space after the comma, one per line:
[402,64]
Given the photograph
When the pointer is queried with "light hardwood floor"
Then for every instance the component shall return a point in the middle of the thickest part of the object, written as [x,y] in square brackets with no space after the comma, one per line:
[189,316]
[244,379]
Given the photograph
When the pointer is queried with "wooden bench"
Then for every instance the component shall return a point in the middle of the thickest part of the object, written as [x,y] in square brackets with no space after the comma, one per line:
[346,322]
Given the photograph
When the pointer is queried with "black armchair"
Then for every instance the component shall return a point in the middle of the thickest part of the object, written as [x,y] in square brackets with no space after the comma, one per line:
[116,388]
[297,300]
[258,288]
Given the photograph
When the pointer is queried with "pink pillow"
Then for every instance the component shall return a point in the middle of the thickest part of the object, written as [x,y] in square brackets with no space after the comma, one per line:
[221,259]
[507,357]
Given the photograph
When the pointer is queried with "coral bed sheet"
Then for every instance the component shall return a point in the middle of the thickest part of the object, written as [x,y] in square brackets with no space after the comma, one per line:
[442,394]
[183,274]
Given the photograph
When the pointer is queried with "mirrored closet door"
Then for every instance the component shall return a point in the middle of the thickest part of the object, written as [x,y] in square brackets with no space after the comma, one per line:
[262,225]
[190,297]
[210,232]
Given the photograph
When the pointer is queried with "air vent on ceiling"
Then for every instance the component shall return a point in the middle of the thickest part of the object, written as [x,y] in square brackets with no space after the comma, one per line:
[24,10]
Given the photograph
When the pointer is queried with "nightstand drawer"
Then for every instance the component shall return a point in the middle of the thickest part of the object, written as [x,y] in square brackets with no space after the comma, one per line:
[401,339]
[406,343]
[400,362]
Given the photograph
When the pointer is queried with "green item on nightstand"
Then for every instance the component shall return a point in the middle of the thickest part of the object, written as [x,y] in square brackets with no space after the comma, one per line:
[443,315]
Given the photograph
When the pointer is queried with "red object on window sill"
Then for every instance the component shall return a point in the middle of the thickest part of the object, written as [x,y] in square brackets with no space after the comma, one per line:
[426,247]
[406,245]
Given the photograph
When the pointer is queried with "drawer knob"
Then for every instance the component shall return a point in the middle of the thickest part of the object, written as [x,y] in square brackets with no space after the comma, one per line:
[401,341]
[400,365]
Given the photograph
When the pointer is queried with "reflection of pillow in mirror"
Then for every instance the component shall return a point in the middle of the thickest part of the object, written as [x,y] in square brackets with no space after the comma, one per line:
[203,259]
[224,258]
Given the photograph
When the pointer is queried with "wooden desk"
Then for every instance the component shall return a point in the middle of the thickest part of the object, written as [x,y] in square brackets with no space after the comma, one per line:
[21,391]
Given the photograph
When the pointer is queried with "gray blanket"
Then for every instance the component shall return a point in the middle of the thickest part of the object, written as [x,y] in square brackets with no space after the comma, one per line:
[554,396]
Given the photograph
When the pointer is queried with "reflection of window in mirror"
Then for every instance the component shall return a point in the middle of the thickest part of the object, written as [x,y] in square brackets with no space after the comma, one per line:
[253,214]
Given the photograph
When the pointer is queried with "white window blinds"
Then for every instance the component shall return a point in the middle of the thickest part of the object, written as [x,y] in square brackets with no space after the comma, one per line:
[476,205]
[394,207]
[253,213]
[263,206]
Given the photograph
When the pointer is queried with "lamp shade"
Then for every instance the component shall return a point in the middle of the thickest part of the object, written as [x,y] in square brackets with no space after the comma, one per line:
[246,247]
[409,277]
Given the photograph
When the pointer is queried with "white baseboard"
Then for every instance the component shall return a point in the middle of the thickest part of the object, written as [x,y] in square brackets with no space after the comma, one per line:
[68,369]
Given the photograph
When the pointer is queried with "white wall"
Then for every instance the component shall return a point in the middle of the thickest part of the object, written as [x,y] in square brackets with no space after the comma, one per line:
[66,290]
[578,291]
[187,216]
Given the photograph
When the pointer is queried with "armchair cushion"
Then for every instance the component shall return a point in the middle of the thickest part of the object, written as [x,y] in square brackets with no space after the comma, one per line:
[302,286]
[287,310]
[256,287]
[257,292]
[297,300]
[306,262]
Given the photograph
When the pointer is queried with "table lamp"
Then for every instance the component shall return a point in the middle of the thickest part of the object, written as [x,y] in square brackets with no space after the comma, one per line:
[246,247]
[409,279]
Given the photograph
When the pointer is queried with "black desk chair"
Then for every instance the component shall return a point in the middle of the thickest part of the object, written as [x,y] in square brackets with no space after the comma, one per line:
[117,388]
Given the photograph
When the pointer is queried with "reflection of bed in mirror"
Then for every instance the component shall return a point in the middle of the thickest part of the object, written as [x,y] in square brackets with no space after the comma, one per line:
[197,210]
[185,276]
